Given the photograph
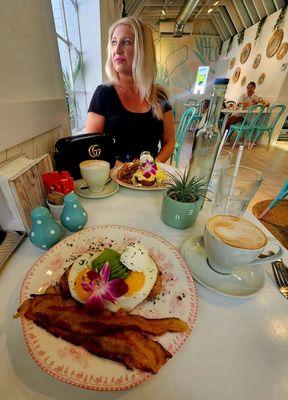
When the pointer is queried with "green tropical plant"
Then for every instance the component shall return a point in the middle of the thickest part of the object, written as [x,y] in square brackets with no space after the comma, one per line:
[184,190]
[240,37]
[229,44]
[260,26]
[281,17]
[69,88]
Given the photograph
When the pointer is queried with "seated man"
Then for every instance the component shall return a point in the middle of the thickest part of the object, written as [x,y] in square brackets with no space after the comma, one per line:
[246,100]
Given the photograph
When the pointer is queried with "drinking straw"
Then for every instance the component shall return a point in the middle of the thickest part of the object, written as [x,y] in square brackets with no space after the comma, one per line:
[223,140]
[235,172]
[280,196]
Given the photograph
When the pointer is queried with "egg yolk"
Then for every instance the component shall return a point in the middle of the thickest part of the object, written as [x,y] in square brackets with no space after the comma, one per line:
[82,277]
[135,281]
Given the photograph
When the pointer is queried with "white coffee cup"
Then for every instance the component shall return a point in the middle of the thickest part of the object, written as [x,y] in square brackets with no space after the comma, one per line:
[233,242]
[95,173]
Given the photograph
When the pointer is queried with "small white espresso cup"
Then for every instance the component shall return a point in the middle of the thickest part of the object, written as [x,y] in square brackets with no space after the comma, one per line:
[233,242]
[95,173]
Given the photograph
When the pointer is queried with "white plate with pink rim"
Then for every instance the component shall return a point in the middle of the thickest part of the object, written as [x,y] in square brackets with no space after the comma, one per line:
[161,186]
[75,365]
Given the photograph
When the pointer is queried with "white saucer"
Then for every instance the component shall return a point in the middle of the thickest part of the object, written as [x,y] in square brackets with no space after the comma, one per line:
[244,282]
[80,187]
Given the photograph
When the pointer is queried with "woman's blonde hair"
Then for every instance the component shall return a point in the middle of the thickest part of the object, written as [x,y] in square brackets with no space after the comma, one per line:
[144,67]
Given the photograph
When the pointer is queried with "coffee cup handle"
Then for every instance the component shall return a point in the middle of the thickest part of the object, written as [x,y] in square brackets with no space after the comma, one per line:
[271,258]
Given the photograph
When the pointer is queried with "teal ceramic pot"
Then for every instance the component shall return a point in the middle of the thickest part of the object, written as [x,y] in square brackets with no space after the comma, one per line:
[177,214]
[73,217]
[45,232]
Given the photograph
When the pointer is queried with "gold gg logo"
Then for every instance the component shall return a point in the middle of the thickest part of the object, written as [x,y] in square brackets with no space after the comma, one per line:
[94,151]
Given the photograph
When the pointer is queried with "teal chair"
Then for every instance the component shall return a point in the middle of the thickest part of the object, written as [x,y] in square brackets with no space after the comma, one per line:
[268,125]
[184,125]
[247,126]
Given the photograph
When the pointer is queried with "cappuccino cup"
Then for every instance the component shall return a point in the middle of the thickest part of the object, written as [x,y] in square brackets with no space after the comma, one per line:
[233,242]
[95,173]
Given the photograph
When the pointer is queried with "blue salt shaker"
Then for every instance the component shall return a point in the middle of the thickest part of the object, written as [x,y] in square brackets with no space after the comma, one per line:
[73,217]
[45,232]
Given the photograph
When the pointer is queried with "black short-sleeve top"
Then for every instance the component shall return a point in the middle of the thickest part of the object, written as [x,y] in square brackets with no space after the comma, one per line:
[133,132]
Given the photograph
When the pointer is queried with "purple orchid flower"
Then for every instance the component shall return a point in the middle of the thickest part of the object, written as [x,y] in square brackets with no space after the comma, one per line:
[102,289]
[149,169]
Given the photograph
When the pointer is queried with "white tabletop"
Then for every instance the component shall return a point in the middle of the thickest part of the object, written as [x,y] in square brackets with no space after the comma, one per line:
[238,349]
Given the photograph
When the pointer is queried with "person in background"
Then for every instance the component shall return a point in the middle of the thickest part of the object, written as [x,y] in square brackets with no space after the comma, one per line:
[249,98]
[246,100]
[131,107]
[203,115]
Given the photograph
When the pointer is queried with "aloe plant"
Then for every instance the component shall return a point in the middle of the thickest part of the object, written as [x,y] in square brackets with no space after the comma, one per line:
[184,190]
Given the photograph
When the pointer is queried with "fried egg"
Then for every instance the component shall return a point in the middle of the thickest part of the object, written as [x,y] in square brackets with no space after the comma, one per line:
[135,257]
[140,281]
[139,284]
[78,274]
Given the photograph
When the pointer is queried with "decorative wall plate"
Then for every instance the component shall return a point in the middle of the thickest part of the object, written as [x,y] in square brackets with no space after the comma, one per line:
[257,61]
[232,63]
[243,80]
[245,53]
[236,74]
[274,43]
[261,78]
[282,51]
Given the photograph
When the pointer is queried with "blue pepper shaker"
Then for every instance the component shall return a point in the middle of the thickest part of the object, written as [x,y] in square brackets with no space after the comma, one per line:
[73,216]
[45,232]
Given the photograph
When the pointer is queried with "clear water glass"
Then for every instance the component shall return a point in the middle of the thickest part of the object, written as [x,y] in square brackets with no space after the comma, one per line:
[222,161]
[234,193]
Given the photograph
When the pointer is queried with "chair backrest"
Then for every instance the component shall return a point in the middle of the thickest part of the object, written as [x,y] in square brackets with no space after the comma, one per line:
[253,114]
[184,123]
[275,113]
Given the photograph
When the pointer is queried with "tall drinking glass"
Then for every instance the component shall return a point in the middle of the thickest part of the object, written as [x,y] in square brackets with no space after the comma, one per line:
[234,193]
[222,161]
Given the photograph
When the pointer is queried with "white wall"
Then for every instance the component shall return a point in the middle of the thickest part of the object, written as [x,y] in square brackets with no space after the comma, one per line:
[32,97]
[178,60]
[275,78]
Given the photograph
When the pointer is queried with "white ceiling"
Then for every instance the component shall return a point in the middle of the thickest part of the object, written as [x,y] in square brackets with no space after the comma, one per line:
[226,18]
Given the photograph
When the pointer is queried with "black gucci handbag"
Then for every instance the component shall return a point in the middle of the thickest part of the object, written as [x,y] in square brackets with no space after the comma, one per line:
[71,151]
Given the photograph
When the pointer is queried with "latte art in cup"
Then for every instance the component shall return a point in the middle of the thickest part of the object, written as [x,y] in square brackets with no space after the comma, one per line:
[237,232]
[233,242]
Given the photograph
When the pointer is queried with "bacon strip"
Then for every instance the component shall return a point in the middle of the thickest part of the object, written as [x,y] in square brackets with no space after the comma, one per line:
[54,309]
[131,348]
[116,336]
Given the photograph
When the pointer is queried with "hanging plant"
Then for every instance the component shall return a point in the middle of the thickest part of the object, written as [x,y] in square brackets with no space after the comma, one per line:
[229,44]
[124,13]
[280,18]
[220,49]
[240,37]
[260,26]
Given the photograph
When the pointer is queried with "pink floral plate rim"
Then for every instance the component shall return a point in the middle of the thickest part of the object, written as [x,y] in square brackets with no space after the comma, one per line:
[165,167]
[68,363]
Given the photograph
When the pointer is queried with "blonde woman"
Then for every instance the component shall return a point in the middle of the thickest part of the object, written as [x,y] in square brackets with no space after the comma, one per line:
[131,108]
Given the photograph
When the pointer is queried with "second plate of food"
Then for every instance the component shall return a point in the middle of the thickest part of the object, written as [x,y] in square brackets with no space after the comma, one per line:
[125,176]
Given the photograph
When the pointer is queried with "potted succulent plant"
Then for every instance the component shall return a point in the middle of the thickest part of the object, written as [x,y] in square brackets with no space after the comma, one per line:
[182,201]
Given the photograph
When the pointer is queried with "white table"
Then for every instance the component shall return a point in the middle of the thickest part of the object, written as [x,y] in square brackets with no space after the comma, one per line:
[238,349]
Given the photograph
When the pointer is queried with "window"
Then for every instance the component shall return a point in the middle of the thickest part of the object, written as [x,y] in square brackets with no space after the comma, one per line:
[201,80]
[66,19]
